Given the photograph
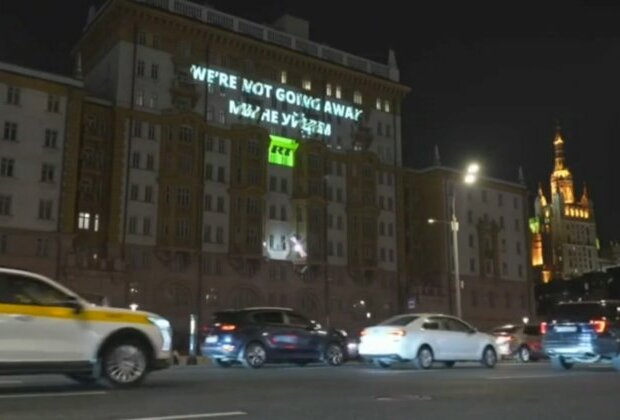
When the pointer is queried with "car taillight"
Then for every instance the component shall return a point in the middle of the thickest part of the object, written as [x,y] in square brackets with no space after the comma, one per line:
[228,327]
[599,325]
[363,333]
[543,328]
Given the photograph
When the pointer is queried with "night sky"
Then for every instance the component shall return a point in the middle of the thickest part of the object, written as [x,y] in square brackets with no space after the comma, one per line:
[488,79]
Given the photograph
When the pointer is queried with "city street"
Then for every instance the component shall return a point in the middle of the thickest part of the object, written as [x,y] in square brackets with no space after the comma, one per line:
[354,391]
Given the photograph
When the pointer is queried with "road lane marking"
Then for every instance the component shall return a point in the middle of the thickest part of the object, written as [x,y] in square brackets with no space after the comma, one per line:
[53,394]
[548,375]
[195,416]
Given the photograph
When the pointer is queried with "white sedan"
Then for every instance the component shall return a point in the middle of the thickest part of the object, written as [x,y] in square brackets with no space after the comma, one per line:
[424,339]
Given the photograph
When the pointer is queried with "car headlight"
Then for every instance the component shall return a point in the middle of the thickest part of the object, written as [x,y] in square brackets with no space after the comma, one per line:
[163,325]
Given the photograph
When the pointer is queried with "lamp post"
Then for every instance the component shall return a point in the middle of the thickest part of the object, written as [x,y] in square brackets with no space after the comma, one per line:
[325,251]
[471,176]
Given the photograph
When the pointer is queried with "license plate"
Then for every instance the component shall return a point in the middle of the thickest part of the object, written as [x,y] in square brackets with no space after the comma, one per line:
[565,328]
[211,339]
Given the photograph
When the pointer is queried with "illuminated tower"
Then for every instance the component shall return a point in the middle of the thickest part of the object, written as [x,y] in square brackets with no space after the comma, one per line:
[564,243]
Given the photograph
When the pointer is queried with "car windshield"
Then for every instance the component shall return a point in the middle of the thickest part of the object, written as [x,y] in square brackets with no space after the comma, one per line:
[400,321]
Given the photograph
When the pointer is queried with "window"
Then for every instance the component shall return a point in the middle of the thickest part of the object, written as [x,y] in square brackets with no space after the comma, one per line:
[221,174]
[283,213]
[484,196]
[273,183]
[7,167]
[515,203]
[209,172]
[306,84]
[183,197]
[5,205]
[386,106]
[470,217]
[219,235]
[137,128]
[357,97]
[148,194]
[518,248]
[186,134]
[207,233]
[339,249]
[391,255]
[141,38]
[45,209]
[272,212]
[47,173]
[154,71]
[208,201]
[471,240]
[504,269]
[328,89]
[22,290]
[146,226]
[472,265]
[381,228]
[135,160]
[283,77]
[10,131]
[388,130]
[501,222]
[53,103]
[222,117]
[520,271]
[51,139]
[150,162]
[339,224]
[221,146]
[133,192]
[140,68]
[220,204]
[390,203]
[140,98]
[210,114]
[153,101]
[84,221]
[132,225]
[13,95]
[338,91]
[378,104]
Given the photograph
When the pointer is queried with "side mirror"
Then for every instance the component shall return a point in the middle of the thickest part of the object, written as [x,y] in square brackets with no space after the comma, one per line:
[472,331]
[74,303]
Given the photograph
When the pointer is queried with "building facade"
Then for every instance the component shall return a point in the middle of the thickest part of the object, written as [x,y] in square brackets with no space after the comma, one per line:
[564,240]
[40,119]
[222,164]
[492,238]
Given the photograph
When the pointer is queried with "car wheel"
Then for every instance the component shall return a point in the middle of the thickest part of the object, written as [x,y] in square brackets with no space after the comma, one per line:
[560,363]
[125,363]
[525,355]
[382,364]
[449,364]
[489,357]
[223,363]
[83,379]
[424,358]
[334,356]
[254,356]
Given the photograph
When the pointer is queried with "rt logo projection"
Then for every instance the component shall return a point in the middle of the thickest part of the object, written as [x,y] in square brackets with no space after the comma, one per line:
[296,119]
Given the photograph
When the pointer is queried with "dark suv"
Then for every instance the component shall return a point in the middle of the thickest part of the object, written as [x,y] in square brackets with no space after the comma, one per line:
[255,336]
[583,332]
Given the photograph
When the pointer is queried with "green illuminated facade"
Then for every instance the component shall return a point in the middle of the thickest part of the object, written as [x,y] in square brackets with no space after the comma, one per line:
[282,151]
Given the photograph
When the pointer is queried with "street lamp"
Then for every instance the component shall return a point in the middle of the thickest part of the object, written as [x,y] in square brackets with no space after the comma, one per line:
[469,178]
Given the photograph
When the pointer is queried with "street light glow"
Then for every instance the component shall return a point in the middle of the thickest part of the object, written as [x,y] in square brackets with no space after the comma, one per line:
[470,179]
[431,221]
[473,168]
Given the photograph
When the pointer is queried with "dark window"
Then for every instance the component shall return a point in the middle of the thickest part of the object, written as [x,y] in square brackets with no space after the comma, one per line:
[431,326]
[296,319]
[456,325]
[268,318]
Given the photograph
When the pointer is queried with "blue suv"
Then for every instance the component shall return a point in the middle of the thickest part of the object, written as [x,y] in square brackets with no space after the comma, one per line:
[583,332]
[255,336]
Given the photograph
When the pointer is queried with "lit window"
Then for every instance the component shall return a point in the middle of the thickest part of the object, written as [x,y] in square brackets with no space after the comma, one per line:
[378,104]
[84,221]
[357,97]
[96,223]
[283,76]
[386,106]
[338,92]
[140,98]
[307,84]
[328,89]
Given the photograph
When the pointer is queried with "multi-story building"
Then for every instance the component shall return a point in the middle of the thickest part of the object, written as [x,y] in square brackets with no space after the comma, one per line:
[564,241]
[492,241]
[226,164]
[40,121]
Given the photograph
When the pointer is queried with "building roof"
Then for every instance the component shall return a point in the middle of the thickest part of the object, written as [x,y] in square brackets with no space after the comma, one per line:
[42,75]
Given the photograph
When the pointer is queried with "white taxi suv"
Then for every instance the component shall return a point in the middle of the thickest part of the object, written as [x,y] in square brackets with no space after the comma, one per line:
[424,339]
[47,329]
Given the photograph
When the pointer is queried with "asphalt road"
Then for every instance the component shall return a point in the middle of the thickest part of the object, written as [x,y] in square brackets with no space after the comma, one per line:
[353,391]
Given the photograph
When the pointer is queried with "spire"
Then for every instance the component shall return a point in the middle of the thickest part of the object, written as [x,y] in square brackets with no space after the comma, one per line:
[436,158]
[584,195]
[541,195]
[78,67]
[521,177]
[558,146]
